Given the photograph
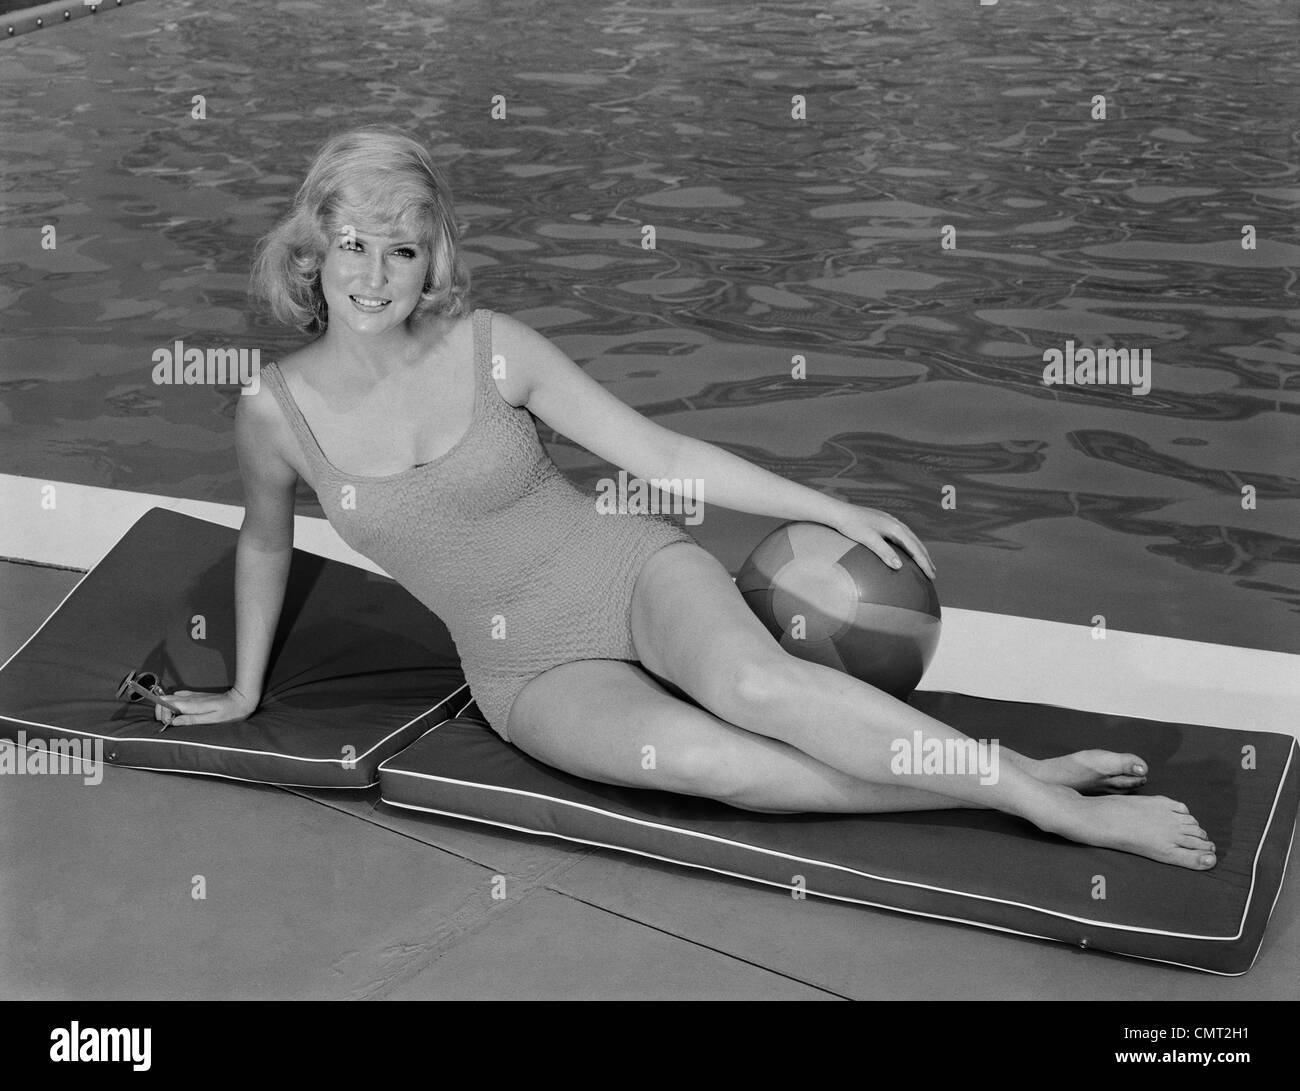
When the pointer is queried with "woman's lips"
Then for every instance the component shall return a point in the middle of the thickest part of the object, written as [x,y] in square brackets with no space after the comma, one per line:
[369,304]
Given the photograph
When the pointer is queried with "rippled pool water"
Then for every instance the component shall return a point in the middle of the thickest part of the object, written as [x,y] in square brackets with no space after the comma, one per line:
[775,237]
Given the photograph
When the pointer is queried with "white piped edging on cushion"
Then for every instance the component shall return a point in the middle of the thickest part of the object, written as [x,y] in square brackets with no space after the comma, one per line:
[982,654]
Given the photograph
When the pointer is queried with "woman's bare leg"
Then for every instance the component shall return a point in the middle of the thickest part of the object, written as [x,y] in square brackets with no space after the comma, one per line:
[613,722]
[692,628]
[610,721]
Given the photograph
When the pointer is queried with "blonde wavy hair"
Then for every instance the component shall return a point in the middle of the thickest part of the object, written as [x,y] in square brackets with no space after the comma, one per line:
[375,176]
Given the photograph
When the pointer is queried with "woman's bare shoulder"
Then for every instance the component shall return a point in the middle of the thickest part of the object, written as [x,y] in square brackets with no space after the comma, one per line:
[438,329]
[264,436]
[519,345]
[258,413]
[300,359]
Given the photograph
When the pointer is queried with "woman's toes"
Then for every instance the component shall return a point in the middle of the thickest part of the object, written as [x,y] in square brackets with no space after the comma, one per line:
[1196,859]
[1112,765]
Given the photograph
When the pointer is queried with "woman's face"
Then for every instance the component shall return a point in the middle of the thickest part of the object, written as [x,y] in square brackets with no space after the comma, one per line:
[372,283]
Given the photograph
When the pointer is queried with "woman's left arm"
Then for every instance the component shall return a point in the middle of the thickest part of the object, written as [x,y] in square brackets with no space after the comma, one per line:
[555,390]
[735,483]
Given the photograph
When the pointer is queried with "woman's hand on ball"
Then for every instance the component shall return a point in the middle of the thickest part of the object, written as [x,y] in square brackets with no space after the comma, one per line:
[876,530]
[205,708]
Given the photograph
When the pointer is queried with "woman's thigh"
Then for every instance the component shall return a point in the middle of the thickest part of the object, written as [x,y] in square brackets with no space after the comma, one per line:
[610,721]
[693,629]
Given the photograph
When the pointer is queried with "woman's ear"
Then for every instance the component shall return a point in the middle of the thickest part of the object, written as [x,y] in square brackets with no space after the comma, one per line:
[427,291]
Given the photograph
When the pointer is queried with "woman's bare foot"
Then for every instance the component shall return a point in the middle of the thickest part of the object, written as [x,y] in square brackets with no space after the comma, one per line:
[1156,827]
[1092,771]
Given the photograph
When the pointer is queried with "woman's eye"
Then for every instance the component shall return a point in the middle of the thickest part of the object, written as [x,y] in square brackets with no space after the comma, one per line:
[350,244]
[406,252]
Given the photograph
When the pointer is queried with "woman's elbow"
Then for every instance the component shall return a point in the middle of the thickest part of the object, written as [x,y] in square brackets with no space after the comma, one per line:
[266,532]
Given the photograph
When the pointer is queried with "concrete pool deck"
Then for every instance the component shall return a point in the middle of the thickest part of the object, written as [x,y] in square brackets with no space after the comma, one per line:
[330,894]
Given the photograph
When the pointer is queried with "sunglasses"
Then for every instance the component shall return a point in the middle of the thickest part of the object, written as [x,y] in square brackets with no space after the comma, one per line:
[144,686]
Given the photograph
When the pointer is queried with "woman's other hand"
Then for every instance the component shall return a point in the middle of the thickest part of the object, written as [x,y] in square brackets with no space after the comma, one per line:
[205,708]
[877,530]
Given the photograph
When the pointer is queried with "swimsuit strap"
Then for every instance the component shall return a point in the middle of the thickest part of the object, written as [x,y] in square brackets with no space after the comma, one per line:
[484,385]
[275,381]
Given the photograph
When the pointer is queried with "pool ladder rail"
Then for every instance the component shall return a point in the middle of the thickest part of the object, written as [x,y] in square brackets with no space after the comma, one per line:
[25,20]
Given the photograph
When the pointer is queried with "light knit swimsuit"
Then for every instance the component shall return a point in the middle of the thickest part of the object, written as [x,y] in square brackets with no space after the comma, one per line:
[493,538]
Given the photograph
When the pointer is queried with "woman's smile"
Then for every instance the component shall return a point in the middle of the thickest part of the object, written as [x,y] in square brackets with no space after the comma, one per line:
[369,304]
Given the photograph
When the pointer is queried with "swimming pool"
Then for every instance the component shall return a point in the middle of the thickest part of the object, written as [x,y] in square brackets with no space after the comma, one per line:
[775,237]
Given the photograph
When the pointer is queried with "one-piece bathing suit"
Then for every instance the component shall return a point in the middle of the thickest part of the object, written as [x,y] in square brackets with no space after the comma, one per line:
[520,566]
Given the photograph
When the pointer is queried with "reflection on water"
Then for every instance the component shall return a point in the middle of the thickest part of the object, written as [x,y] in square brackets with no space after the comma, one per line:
[775,237]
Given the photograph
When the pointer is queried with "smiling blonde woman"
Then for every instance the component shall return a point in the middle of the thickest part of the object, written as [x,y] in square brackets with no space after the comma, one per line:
[586,637]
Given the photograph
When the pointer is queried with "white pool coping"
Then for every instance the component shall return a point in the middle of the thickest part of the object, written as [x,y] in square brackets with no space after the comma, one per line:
[982,654]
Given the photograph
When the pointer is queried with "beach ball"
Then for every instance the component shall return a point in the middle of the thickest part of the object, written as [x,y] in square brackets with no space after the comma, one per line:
[830,600]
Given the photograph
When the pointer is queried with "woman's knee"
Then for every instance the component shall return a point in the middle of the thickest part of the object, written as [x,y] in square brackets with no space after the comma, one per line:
[693,757]
[752,682]
[688,767]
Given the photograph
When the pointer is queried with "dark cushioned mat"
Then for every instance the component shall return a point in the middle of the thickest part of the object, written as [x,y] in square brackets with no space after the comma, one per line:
[977,867]
[359,668]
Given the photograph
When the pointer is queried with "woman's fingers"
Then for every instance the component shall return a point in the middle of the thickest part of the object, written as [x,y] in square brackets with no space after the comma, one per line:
[880,546]
[190,703]
[912,544]
[880,532]
[163,715]
[204,708]
[882,549]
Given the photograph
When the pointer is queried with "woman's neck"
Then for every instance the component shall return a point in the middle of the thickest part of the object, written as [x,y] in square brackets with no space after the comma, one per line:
[371,358]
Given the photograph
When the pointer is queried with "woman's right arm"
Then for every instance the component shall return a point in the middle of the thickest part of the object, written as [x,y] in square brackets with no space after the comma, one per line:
[261,564]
